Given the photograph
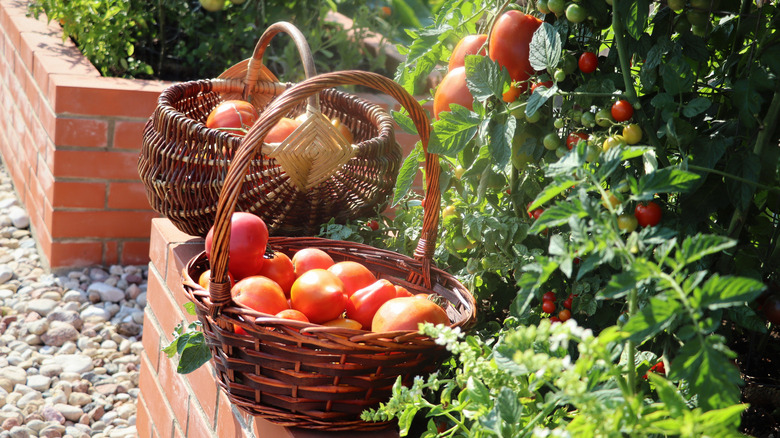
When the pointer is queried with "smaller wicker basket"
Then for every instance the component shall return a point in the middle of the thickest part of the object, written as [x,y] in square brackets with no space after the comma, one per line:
[295,186]
[307,375]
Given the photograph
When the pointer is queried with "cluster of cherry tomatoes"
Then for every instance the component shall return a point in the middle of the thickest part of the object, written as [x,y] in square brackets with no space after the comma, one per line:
[549,306]
[311,287]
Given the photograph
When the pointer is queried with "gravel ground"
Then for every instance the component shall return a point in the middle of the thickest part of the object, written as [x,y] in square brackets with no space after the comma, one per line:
[70,342]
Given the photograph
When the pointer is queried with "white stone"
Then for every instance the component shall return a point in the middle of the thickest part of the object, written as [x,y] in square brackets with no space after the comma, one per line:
[19,217]
[41,306]
[16,375]
[75,363]
[72,413]
[107,293]
[39,382]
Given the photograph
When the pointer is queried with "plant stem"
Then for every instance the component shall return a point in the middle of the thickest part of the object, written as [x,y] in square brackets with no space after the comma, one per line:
[734,177]
[630,345]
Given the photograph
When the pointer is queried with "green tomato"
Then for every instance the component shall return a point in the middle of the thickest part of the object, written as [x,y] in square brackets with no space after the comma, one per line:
[559,75]
[676,5]
[698,18]
[459,171]
[542,7]
[613,141]
[575,115]
[561,151]
[551,141]
[558,123]
[569,64]
[593,152]
[588,119]
[627,222]
[212,5]
[533,118]
[604,118]
[576,13]
[459,243]
[557,7]
[495,181]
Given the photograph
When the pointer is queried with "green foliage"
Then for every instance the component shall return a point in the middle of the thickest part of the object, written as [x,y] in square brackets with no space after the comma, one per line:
[189,343]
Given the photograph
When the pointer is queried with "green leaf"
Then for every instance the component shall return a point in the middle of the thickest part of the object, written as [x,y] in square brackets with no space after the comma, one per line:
[721,292]
[509,409]
[538,98]
[190,307]
[544,51]
[485,77]
[696,106]
[655,317]
[696,247]
[620,284]
[500,145]
[748,167]
[405,122]
[748,101]
[666,180]
[453,131]
[635,15]
[558,214]
[407,173]
[552,190]
[669,395]
[678,75]
[656,54]
[194,354]
[477,391]
[705,362]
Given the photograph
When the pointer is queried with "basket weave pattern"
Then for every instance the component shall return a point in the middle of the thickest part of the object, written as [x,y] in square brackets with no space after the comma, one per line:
[307,375]
[183,163]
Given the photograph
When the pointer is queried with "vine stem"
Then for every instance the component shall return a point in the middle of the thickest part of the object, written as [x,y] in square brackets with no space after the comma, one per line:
[734,177]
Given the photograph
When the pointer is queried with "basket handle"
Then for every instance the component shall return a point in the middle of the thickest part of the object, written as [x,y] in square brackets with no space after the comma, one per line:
[219,286]
[255,67]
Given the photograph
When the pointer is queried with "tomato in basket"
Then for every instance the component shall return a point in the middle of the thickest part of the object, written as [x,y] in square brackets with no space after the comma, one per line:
[233,116]
[354,276]
[319,295]
[364,303]
[260,293]
[282,130]
[406,313]
[248,239]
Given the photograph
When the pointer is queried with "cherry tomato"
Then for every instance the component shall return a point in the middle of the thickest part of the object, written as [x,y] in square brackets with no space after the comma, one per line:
[567,303]
[564,315]
[546,84]
[551,141]
[588,119]
[576,13]
[613,141]
[622,110]
[554,319]
[537,213]
[549,296]
[574,138]
[610,200]
[648,214]
[557,7]
[374,225]
[364,303]
[509,44]
[548,307]
[632,133]
[588,62]
[452,89]
[627,223]
[541,6]
[604,118]
[468,45]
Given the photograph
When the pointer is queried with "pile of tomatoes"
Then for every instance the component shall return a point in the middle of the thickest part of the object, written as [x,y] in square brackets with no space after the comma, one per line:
[311,287]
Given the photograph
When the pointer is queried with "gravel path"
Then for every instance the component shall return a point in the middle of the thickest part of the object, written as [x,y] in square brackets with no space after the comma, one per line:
[69,343]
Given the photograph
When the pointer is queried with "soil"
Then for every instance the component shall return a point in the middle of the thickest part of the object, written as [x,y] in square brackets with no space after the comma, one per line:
[759,361]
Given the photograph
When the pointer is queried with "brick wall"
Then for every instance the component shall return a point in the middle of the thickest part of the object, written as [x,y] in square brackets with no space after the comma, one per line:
[70,139]
[171,405]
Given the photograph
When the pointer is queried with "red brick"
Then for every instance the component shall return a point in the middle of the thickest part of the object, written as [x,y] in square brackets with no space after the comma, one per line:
[66,254]
[101,224]
[160,411]
[175,390]
[198,425]
[96,164]
[134,252]
[81,132]
[127,196]
[110,253]
[77,194]
[114,97]
[227,423]
[152,338]
[204,390]
[128,134]
[168,312]
[143,422]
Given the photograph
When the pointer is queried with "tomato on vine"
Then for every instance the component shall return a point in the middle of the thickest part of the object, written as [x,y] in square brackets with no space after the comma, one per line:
[588,62]
[537,213]
[648,214]
[568,302]
[551,141]
[632,133]
[557,7]
[627,223]
[622,110]
[546,84]
[549,296]
[509,44]
[574,138]
[564,315]
[548,307]
[603,118]
[468,45]
[613,141]
[452,89]
[576,13]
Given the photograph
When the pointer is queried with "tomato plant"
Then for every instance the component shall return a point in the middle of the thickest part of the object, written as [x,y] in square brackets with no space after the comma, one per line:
[452,90]
[509,44]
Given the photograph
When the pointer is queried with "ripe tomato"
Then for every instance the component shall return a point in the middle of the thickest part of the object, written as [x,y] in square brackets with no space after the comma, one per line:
[280,269]
[401,291]
[353,275]
[374,225]
[342,129]
[548,307]
[319,294]
[233,116]
[248,238]
[546,84]
[364,303]
[568,302]
[509,44]
[627,223]
[293,314]
[261,294]
[281,130]
[549,296]
[648,214]
[588,62]
[632,133]
[574,138]
[343,323]
[310,258]
[468,45]
[622,110]
[452,89]
[564,315]
[537,213]
[406,313]
[205,277]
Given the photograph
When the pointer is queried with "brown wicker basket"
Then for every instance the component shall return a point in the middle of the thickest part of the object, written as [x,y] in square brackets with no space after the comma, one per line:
[183,163]
[307,375]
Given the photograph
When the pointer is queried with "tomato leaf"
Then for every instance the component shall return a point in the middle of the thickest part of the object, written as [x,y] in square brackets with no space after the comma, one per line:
[678,75]
[697,247]
[552,190]
[656,316]
[634,16]
[500,145]
[405,122]
[748,167]
[538,98]
[407,173]
[705,362]
[558,214]
[669,395]
[485,77]
[545,48]
[452,132]
[194,354]
[668,179]
[720,292]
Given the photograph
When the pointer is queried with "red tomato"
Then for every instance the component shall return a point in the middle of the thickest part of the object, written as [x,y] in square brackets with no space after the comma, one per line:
[292,314]
[280,269]
[406,313]
[622,110]
[546,84]
[574,138]
[468,45]
[233,116]
[548,307]
[374,225]
[588,62]
[564,315]
[401,291]
[354,276]
[452,89]
[343,323]
[364,303]
[549,296]
[537,213]
[311,258]
[261,294]
[281,130]
[509,44]
[567,303]
[248,238]
[319,294]
[205,278]
[648,214]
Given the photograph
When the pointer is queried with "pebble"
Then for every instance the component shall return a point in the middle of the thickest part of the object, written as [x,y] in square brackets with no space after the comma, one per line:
[69,342]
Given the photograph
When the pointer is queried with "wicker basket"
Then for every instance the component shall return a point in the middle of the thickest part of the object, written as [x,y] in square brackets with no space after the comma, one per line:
[307,375]
[295,186]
